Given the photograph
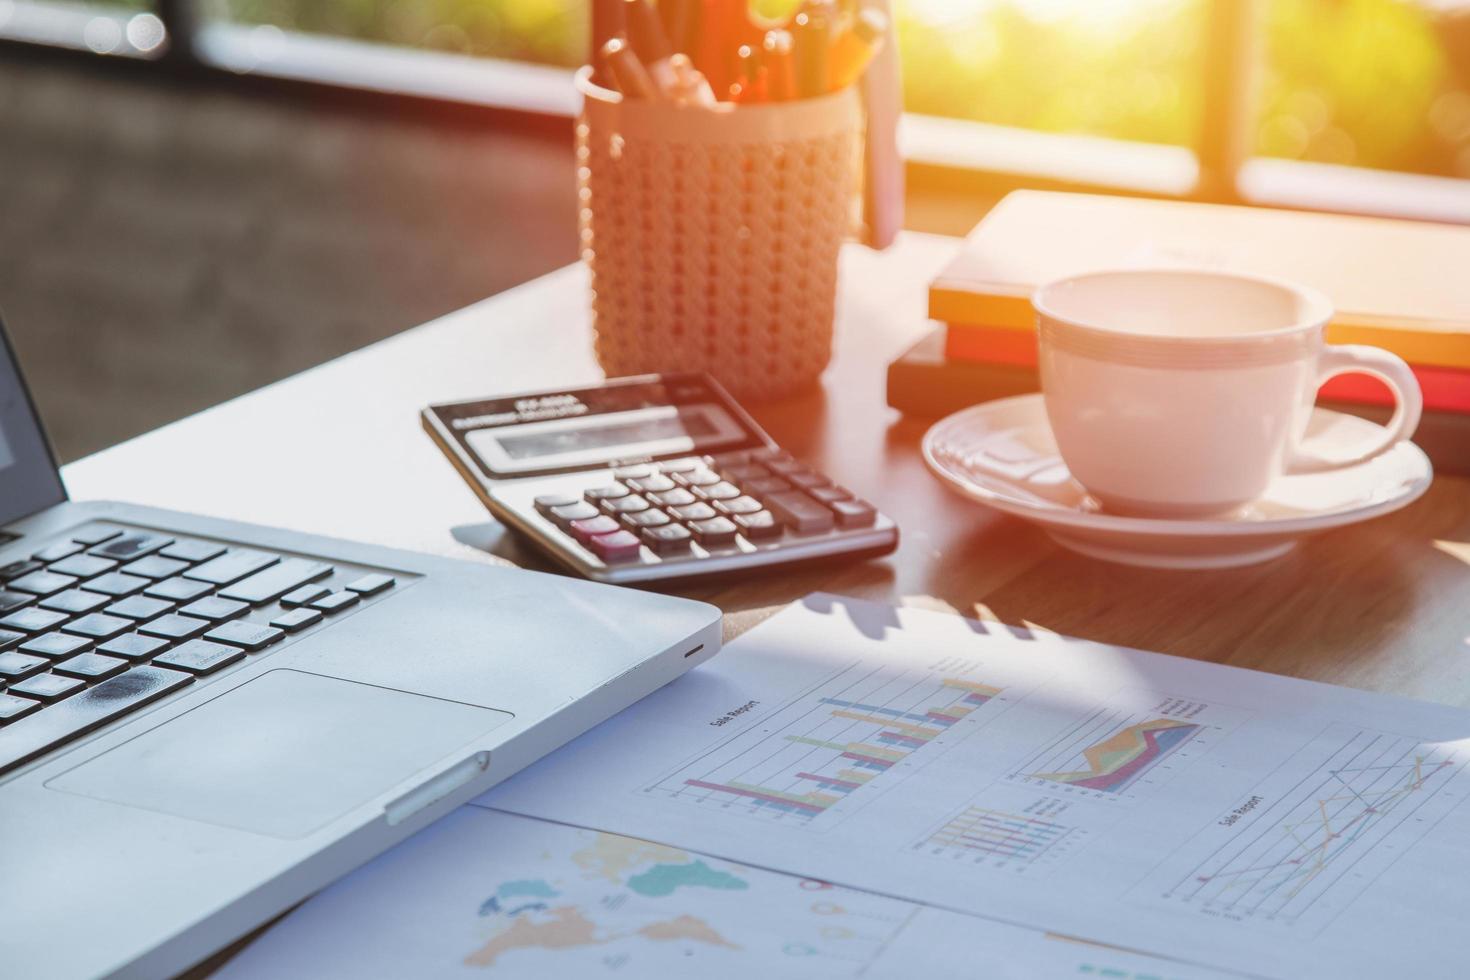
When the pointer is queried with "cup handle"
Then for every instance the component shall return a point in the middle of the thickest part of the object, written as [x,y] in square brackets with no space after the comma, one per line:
[1391,370]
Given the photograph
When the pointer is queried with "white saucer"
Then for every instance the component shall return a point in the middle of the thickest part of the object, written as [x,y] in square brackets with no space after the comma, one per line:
[1002,454]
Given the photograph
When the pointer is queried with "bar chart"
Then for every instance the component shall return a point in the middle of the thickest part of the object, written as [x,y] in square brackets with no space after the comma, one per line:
[1018,840]
[831,743]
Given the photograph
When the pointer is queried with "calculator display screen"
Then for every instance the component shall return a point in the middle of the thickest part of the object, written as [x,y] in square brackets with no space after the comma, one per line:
[630,420]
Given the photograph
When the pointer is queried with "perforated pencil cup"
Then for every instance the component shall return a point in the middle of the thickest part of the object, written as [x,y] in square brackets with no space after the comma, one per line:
[712,234]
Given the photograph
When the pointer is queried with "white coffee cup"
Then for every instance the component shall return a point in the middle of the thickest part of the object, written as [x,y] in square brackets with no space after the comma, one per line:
[1183,393]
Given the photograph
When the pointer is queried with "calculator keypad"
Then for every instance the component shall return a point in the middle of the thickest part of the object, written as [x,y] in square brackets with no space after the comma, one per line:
[726,504]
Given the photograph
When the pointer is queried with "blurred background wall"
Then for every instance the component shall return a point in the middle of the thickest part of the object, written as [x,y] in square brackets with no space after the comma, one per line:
[197,198]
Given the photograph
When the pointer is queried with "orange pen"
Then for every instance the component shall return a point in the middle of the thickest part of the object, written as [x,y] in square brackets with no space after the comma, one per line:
[776,58]
[855,48]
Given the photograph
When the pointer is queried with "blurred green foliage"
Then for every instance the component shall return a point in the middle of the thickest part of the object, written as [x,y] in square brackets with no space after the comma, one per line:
[1363,82]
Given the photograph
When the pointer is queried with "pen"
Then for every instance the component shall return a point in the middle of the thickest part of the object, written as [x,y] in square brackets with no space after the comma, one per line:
[856,47]
[650,43]
[811,31]
[626,71]
[607,23]
[681,23]
[776,59]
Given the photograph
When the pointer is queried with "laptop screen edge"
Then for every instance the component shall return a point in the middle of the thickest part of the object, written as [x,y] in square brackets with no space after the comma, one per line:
[30,480]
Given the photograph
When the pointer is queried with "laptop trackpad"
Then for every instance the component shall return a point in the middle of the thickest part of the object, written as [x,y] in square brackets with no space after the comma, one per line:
[284,754]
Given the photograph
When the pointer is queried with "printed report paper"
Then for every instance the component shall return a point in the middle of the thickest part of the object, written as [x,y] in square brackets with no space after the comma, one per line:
[1213,815]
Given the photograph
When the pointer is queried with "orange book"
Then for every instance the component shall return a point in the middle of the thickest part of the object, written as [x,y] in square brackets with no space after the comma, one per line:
[1401,285]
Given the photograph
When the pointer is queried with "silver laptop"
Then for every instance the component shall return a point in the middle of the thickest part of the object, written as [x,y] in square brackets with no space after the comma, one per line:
[202,722]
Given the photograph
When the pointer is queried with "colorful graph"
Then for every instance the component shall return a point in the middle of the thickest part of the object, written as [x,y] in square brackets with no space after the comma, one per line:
[1118,759]
[1111,749]
[1324,839]
[995,834]
[830,743]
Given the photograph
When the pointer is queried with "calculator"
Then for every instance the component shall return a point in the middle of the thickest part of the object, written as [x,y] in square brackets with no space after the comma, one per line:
[649,478]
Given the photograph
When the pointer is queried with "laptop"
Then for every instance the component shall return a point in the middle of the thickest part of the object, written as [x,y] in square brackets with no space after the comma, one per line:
[202,722]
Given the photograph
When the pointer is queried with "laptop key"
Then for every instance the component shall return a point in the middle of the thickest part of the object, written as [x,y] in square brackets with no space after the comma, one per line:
[57,646]
[33,620]
[14,666]
[117,584]
[178,589]
[231,566]
[11,601]
[57,551]
[91,667]
[13,708]
[336,601]
[18,568]
[140,607]
[175,627]
[371,584]
[96,534]
[304,595]
[193,552]
[75,601]
[9,638]
[47,687]
[276,581]
[41,583]
[99,626]
[251,636]
[89,710]
[200,657]
[133,646]
[214,608]
[296,620]
[130,546]
[155,567]
[84,566]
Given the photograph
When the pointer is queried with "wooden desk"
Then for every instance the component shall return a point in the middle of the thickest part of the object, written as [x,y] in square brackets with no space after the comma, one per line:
[338,450]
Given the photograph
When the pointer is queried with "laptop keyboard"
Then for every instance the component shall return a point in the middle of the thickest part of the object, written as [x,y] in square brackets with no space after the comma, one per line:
[109,619]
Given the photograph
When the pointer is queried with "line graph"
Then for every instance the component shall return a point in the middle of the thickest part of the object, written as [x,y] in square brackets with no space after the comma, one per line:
[1312,846]
[830,743]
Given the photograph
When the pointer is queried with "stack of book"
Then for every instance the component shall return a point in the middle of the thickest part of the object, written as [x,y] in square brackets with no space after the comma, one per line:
[1400,285]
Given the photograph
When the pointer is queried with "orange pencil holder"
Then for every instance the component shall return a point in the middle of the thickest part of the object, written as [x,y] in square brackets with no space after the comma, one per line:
[712,235]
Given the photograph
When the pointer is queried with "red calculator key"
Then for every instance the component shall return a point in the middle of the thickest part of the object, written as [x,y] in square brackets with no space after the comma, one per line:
[585,531]
[615,547]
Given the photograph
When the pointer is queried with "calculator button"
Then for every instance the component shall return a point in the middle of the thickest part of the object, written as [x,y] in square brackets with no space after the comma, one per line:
[297,620]
[610,492]
[760,526]
[766,486]
[667,539]
[193,551]
[769,456]
[695,512]
[58,551]
[617,546]
[632,473]
[718,491]
[139,607]
[584,531]
[830,495]
[740,505]
[678,466]
[747,471]
[47,687]
[580,511]
[696,478]
[134,646]
[715,532]
[800,513]
[854,513]
[548,502]
[84,566]
[677,497]
[645,518]
[656,483]
[786,465]
[630,504]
